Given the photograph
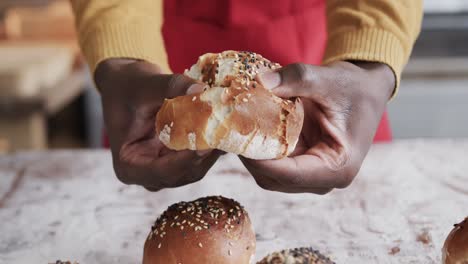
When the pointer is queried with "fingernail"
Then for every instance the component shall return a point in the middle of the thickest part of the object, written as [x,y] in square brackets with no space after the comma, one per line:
[270,80]
[195,88]
[203,153]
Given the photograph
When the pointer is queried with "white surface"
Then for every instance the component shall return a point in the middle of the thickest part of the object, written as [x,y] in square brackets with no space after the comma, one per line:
[69,205]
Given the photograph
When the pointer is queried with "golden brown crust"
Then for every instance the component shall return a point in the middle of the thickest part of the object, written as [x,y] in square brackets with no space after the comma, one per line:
[208,230]
[182,116]
[249,119]
[455,250]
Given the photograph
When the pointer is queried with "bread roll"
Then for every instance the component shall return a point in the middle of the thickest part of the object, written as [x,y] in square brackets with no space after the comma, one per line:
[234,114]
[210,230]
[455,250]
[296,256]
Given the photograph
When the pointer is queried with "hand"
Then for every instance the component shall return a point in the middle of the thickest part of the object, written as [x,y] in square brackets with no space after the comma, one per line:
[343,104]
[132,93]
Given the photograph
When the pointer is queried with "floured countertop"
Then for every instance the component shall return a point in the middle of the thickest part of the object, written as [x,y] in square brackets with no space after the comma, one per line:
[69,205]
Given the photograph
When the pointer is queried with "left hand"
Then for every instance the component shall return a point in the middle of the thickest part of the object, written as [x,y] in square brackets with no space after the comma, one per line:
[132,92]
[343,105]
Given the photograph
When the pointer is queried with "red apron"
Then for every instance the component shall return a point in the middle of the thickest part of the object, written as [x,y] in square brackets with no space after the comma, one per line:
[284,31]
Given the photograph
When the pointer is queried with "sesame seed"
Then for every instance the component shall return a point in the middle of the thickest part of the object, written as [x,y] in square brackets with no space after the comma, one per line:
[229,252]
[172,124]
[159,245]
[200,244]
[245,100]
[194,98]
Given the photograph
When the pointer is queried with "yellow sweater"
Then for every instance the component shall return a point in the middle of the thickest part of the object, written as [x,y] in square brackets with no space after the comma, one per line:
[369,30]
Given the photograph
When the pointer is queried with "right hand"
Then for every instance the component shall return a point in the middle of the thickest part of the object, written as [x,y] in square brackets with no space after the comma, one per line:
[132,93]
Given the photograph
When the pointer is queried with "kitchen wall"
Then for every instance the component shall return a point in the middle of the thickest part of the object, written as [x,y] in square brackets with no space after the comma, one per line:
[445,6]
[431,107]
[433,97]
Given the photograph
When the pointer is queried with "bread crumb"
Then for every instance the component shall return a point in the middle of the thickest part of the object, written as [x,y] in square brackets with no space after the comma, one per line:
[424,237]
[394,250]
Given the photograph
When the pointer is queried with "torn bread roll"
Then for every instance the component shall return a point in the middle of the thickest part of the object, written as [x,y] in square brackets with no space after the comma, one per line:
[209,230]
[235,113]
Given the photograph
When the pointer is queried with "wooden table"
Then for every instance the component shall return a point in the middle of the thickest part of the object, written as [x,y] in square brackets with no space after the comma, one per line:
[69,205]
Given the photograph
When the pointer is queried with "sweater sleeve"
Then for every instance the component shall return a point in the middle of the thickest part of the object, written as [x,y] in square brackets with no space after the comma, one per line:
[120,29]
[373,30]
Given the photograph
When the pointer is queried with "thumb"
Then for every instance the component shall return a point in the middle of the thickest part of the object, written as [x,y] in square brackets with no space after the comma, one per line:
[196,88]
[155,88]
[288,81]
[179,84]
[270,79]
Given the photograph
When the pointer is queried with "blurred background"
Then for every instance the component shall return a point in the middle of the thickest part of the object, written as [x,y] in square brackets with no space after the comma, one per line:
[47,98]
